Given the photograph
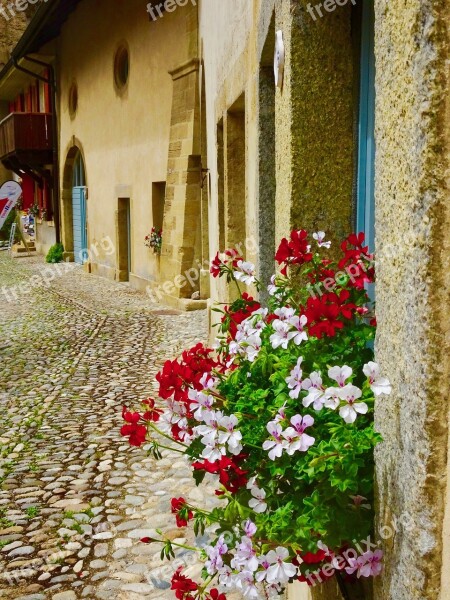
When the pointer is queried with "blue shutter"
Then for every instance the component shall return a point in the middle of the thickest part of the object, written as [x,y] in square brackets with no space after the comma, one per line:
[366,150]
[79,224]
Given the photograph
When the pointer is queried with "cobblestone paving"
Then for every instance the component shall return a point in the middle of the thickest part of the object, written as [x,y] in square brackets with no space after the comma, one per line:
[75,499]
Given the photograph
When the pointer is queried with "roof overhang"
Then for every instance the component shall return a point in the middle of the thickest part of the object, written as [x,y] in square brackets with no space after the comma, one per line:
[14,81]
[44,27]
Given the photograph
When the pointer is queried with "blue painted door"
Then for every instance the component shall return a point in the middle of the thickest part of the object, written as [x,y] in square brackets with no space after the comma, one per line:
[366,150]
[79,224]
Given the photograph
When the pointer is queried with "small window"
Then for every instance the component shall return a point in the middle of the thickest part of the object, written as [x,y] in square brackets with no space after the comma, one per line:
[73,100]
[158,201]
[121,67]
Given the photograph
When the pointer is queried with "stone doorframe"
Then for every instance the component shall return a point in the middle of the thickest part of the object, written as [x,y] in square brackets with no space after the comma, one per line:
[72,150]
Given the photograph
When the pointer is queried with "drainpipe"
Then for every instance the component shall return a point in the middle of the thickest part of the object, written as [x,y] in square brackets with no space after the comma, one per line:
[52,82]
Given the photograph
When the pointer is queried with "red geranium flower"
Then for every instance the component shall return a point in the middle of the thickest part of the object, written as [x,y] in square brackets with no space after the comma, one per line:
[326,312]
[153,413]
[183,586]
[231,476]
[215,595]
[295,251]
[137,433]
[180,509]
[313,558]
[357,261]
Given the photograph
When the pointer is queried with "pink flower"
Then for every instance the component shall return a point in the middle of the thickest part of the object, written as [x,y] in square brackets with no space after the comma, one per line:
[367,565]
[276,444]
[294,381]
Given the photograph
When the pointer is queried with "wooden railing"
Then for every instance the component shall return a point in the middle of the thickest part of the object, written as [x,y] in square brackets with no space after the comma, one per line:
[25,132]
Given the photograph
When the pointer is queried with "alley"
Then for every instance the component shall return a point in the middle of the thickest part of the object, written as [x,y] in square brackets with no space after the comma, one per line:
[75,499]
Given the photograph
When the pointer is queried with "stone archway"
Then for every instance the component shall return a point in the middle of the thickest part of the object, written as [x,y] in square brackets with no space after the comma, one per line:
[75,150]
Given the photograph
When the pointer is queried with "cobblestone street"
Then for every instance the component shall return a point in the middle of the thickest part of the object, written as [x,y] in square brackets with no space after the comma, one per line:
[75,499]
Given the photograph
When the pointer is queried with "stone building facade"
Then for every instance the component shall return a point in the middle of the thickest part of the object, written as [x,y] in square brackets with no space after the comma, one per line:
[301,164]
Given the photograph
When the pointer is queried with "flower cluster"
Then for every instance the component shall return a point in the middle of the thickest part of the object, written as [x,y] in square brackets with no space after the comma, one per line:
[280,412]
[154,240]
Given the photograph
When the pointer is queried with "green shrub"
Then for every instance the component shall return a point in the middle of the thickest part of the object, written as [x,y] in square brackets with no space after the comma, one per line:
[55,254]
[5,231]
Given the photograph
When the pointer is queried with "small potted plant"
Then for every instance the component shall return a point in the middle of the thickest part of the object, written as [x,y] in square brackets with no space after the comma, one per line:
[154,240]
[281,413]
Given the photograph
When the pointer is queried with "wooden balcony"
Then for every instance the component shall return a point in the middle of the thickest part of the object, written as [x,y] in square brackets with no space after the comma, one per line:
[27,138]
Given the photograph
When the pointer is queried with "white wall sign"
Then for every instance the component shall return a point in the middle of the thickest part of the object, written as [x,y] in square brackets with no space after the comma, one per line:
[278,63]
[10,192]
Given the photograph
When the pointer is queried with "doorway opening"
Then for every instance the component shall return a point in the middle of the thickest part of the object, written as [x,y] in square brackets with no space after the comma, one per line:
[79,211]
[267,166]
[123,240]
[235,178]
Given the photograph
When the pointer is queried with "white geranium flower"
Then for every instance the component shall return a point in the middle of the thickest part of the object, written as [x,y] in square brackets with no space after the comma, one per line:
[299,335]
[285,313]
[228,435]
[320,237]
[313,385]
[331,398]
[281,335]
[245,556]
[277,443]
[295,436]
[349,412]
[200,404]
[340,374]
[294,380]
[245,581]
[246,272]
[280,571]
[379,385]
[257,503]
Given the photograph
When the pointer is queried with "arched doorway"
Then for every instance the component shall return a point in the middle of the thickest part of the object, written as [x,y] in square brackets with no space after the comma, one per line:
[74,214]
[79,221]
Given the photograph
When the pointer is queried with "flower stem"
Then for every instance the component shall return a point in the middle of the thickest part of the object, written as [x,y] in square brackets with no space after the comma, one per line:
[166,436]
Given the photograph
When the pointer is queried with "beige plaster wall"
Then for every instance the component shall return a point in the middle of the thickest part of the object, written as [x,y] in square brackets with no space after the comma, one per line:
[124,137]
[413,251]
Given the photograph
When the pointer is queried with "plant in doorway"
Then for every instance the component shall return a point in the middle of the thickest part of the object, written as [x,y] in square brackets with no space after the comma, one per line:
[55,254]
[34,210]
[154,240]
[281,414]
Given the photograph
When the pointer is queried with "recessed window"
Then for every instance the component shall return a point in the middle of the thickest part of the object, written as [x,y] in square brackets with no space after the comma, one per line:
[121,67]
[73,99]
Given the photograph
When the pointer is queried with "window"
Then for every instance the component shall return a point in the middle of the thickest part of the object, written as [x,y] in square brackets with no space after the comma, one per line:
[121,67]
[158,200]
[73,100]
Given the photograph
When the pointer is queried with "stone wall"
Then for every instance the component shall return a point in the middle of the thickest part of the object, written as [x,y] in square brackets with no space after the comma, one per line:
[322,121]
[413,250]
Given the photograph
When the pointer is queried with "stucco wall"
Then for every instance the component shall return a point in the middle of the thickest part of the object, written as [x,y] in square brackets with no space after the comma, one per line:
[124,137]
[412,243]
